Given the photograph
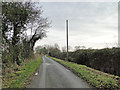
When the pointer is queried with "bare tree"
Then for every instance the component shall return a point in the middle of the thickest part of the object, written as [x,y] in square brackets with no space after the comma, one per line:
[77,48]
[37,26]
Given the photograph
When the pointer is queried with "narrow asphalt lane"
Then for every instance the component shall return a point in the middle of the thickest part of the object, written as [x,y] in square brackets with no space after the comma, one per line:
[53,75]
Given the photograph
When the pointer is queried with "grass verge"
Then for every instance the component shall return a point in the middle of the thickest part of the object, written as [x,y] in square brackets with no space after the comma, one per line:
[20,78]
[94,77]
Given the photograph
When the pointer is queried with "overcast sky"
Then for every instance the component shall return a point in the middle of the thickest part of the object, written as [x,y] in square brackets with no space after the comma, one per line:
[91,24]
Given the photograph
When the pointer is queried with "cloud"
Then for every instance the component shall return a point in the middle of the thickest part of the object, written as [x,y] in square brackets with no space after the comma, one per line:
[91,22]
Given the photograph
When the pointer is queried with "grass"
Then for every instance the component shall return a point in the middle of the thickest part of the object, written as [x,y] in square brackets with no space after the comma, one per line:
[94,77]
[20,78]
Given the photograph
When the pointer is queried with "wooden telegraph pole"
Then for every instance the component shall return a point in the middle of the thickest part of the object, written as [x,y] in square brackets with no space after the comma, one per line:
[67,37]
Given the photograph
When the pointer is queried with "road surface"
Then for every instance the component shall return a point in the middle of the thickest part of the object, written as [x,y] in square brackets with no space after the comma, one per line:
[53,75]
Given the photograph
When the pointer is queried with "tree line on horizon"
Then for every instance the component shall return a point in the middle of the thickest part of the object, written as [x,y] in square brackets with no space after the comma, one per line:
[106,59]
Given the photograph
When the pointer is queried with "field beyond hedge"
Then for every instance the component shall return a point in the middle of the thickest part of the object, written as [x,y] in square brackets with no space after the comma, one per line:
[94,77]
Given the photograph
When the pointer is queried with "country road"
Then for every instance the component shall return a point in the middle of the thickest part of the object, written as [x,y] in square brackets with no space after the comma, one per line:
[53,75]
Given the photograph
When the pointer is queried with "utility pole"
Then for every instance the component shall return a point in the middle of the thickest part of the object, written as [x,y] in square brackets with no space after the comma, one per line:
[67,37]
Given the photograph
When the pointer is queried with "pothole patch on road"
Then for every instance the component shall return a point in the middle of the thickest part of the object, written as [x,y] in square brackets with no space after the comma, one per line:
[47,64]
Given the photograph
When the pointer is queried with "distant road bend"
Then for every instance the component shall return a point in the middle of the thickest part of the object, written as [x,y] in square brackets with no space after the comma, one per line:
[53,75]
